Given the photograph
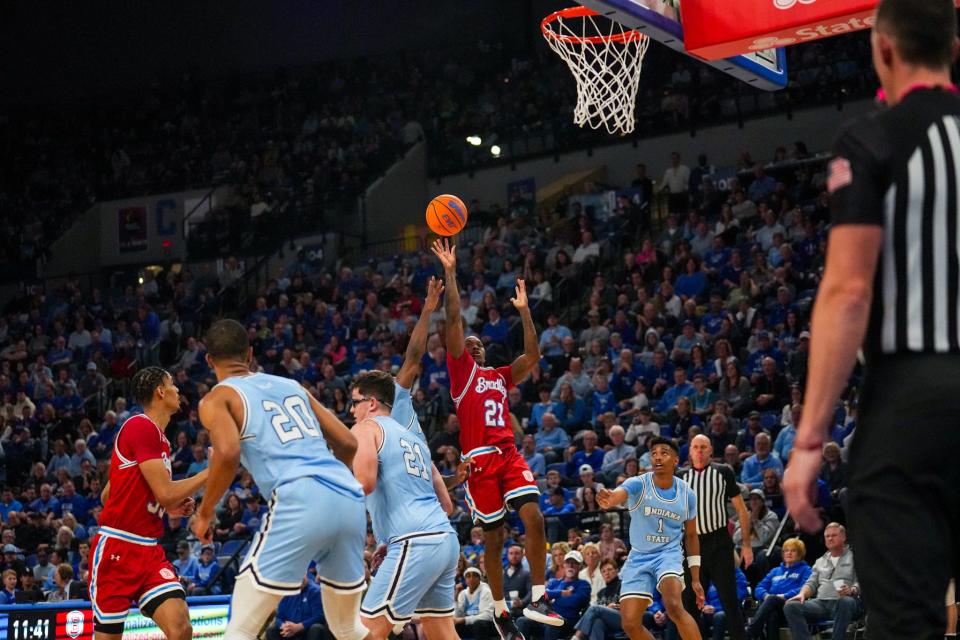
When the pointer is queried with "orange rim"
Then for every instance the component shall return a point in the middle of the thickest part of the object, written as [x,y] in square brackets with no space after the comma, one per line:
[631,35]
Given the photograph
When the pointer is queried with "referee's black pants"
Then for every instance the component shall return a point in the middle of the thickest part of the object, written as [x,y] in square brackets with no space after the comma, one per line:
[716,566]
[904,503]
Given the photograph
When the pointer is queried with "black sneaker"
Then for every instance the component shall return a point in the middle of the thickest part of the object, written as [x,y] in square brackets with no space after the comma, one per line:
[541,611]
[506,627]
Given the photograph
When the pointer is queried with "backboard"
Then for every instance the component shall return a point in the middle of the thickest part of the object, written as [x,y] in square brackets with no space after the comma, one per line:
[660,21]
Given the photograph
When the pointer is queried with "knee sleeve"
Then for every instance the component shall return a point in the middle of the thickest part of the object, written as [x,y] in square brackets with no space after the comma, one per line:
[342,611]
[250,608]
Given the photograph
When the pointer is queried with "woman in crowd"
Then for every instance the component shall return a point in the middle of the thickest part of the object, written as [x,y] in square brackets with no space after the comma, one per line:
[778,586]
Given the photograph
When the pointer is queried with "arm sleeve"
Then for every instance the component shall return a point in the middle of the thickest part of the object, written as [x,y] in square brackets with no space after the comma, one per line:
[402,410]
[459,370]
[143,441]
[856,180]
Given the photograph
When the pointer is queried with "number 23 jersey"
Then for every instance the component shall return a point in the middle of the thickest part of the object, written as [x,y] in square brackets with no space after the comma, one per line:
[132,507]
[480,395]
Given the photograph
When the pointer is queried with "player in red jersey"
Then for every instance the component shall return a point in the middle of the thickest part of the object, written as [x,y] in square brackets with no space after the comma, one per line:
[127,564]
[499,476]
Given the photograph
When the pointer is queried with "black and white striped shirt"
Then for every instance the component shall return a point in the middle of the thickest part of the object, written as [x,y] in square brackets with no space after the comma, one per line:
[900,169]
[713,485]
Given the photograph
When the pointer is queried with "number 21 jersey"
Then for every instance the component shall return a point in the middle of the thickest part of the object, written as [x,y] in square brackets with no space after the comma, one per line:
[480,395]
[132,507]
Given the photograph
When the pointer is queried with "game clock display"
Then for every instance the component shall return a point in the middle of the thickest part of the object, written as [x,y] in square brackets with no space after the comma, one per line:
[74,621]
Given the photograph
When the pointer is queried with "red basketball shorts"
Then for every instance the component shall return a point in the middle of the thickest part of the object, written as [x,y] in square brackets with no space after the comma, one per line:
[497,477]
[126,569]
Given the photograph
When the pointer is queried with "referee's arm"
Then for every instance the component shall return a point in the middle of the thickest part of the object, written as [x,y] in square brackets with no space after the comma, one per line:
[837,331]
[746,551]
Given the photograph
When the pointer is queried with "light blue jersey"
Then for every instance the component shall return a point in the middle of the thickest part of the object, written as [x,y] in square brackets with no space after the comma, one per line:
[417,575]
[281,441]
[657,515]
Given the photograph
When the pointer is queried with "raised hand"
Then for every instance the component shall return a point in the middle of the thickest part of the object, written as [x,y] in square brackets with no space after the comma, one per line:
[603,498]
[446,253]
[520,301]
[434,290]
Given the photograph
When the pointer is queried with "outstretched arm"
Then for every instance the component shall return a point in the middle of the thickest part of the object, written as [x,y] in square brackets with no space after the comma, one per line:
[418,339]
[608,499]
[522,366]
[448,258]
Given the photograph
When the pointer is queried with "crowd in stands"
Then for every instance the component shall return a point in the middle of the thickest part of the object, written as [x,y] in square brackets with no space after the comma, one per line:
[298,144]
[696,325]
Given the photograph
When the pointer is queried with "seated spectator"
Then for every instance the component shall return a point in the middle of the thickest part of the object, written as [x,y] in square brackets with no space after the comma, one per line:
[300,616]
[617,454]
[833,471]
[611,547]
[576,378]
[8,503]
[569,595]
[206,569]
[43,569]
[763,525]
[590,454]
[702,398]
[602,618]
[731,457]
[755,465]
[29,591]
[591,569]
[545,405]
[81,453]
[250,520]
[551,441]
[587,480]
[832,591]
[66,588]
[9,593]
[773,493]
[602,399]
[199,461]
[473,615]
[776,588]
[46,503]
[642,429]
[187,566]
[534,459]
[680,389]
[714,619]
[559,505]
[570,410]
[516,581]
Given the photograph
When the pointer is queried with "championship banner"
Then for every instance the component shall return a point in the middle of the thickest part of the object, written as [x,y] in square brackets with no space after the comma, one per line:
[132,229]
[715,30]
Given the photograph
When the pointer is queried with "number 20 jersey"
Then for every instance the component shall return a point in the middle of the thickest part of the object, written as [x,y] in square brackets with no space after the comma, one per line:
[480,395]
[132,507]
[281,440]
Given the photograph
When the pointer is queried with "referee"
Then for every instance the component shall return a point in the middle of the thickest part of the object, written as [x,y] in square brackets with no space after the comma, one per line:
[713,485]
[892,287]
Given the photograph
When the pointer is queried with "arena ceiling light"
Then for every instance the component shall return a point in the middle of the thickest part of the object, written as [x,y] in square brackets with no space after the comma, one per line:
[476,141]
[495,151]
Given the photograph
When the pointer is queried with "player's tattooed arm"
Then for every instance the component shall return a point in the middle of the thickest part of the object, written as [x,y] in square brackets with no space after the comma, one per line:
[522,366]
[448,258]
[342,443]
[418,339]
[608,499]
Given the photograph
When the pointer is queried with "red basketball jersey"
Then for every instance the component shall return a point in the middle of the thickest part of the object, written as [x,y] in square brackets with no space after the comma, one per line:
[480,395]
[132,507]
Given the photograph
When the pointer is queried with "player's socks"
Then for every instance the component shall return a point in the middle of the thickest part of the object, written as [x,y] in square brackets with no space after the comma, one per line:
[537,592]
[499,606]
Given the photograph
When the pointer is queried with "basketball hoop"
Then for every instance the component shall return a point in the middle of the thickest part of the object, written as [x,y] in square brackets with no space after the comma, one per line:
[606,59]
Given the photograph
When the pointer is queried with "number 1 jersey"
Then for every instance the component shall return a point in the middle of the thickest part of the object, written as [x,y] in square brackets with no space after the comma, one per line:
[132,507]
[281,440]
[480,395]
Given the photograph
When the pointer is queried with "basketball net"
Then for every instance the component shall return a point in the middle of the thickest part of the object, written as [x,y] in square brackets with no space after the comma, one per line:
[606,59]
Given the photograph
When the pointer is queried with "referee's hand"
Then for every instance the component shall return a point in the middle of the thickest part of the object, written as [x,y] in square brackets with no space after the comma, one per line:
[799,487]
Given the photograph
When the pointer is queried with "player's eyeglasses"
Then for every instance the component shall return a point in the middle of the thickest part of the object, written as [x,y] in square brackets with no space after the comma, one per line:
[352,402]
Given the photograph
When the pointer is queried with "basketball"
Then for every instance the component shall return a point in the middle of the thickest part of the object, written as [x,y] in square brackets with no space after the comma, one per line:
[446,215]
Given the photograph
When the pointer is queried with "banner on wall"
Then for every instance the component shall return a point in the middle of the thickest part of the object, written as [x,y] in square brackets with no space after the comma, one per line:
[132,229]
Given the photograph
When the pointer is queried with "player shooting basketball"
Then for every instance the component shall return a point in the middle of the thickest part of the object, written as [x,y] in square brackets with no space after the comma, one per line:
[500,477]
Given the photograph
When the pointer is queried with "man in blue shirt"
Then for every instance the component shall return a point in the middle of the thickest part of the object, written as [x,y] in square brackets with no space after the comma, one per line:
[46,503]
[602,399]
[300,616]
[8,503]
[784,441]
[551,441]
[552,337]
[558,504]
[590,454]
[206,569]
[755,465]
[681,388]
[496,328]
[570,597]
[536,461]
[187,566]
